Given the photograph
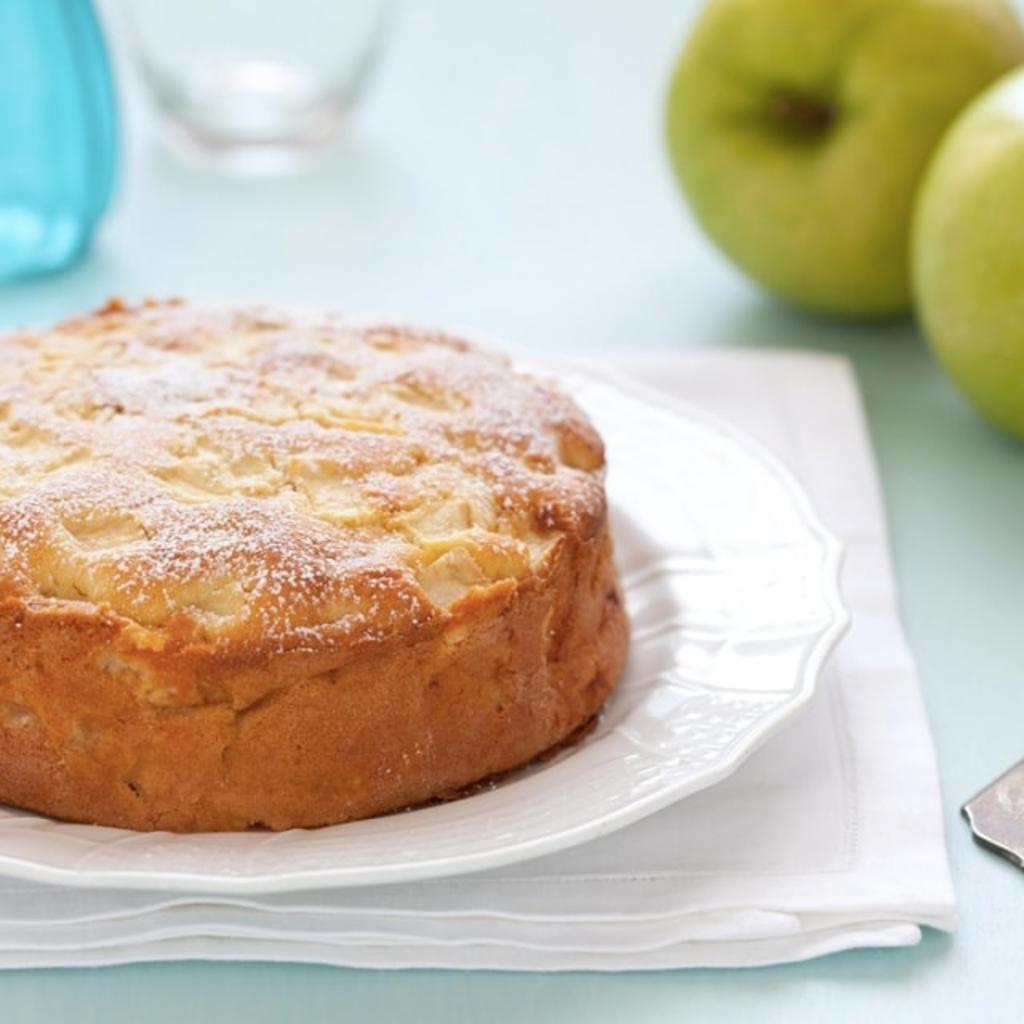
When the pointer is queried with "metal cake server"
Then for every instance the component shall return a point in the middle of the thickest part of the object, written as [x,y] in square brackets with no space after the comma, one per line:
[996,815]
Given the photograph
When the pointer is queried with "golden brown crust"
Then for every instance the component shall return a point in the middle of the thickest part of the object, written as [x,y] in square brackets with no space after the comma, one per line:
[283,570]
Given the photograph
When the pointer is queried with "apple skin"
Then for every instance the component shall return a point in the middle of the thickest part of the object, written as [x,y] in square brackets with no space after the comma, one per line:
[968,253]
[800,129]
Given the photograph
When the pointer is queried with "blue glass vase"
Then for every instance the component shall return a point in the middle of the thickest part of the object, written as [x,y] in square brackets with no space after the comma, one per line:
[58,133]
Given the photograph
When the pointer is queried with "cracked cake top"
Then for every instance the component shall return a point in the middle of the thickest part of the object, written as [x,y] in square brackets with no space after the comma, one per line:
[250,479]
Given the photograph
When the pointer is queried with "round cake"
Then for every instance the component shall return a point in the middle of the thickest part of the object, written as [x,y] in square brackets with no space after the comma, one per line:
[269,569]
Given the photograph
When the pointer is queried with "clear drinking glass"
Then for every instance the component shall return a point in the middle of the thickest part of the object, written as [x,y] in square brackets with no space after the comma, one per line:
[256,84]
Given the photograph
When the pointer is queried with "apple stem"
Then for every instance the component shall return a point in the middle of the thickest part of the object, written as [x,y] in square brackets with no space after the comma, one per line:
[806,116]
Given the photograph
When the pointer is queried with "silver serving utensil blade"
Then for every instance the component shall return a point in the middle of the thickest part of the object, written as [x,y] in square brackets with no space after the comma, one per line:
[996,815]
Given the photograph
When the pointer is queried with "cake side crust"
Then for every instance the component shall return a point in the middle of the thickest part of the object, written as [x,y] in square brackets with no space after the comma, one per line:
[512,674]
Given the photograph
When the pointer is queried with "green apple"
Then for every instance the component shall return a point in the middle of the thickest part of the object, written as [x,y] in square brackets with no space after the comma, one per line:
[968,253]
[800,129]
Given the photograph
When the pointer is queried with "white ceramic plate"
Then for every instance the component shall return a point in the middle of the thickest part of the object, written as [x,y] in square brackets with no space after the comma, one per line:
[732,590]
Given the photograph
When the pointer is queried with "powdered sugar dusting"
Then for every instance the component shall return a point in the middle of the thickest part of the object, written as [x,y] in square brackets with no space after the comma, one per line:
[293,478]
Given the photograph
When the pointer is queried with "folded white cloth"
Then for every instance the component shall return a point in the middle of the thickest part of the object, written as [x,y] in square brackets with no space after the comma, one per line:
[829,837]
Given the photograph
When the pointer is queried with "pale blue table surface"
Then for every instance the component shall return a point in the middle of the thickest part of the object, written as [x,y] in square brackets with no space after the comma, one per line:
[506,173]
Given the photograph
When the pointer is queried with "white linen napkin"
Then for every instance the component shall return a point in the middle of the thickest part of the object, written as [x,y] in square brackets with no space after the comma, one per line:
[829,837]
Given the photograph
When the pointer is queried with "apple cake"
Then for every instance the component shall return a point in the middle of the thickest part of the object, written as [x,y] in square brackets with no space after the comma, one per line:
[280,569]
